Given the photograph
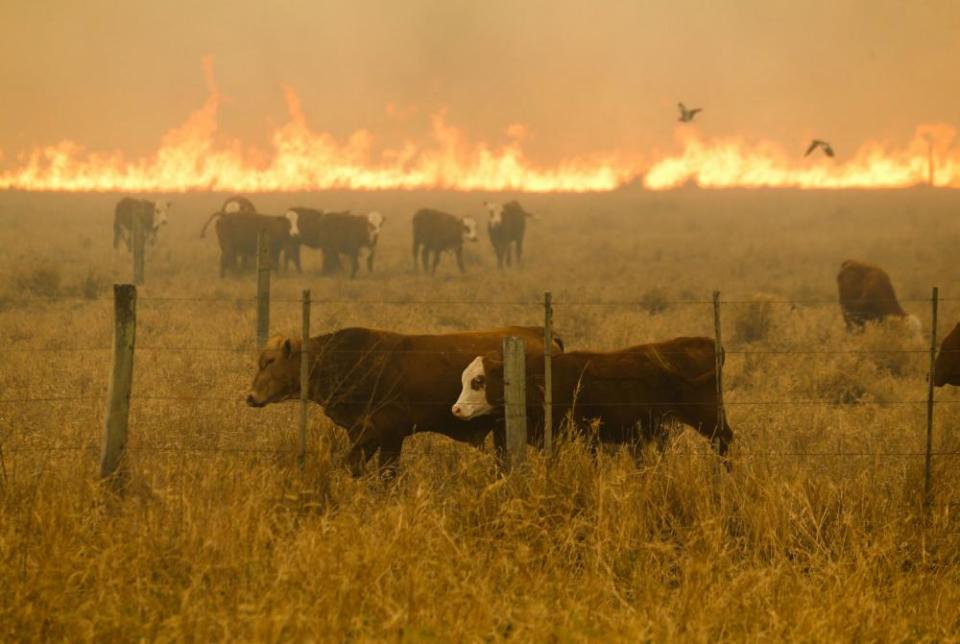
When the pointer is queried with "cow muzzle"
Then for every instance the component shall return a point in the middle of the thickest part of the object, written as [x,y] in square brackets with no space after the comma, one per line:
[253,402]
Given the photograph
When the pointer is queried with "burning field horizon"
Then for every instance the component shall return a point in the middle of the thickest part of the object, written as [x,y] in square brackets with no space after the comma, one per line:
[196,156]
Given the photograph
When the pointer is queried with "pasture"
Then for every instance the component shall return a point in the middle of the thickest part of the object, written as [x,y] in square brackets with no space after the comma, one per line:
[818,533]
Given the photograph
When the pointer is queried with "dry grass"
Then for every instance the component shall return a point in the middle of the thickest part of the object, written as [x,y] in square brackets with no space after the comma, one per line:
[812,536]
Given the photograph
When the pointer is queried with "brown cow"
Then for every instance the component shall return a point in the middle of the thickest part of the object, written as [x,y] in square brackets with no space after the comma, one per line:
[435,232]
[381,386]
[631,391]
[337,233]
[237,235]
[506,228]
[946,369]
[867,295]
[153,215]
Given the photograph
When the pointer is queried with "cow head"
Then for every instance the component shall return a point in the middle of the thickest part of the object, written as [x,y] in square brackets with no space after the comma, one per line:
[469,229]
[160,210]
[496,213]
[946,369]
[294,218]
[278,373]
[482,387]
[374,224]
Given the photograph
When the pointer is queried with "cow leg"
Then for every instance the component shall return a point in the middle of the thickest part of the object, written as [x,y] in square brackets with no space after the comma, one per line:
[508,251]
[370,261]
[499,253]
[390,458]
[459,252]
[224,260]
[354,264]
[416,255]
[520,252]
[436,262]
[425,259]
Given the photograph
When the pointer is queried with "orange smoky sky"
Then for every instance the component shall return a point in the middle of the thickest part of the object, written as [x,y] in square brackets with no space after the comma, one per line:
[564,78]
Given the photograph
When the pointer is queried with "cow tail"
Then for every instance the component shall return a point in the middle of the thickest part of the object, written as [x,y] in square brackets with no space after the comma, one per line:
[203,231]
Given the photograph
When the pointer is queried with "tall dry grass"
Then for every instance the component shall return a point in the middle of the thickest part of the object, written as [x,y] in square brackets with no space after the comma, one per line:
[818,533]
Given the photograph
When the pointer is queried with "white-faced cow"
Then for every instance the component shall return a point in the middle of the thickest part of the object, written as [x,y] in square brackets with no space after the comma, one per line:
[237,234]
[337,233]
[506,227]
[435,231]
[629,392]
[381,387]
[152,215]
[867,295]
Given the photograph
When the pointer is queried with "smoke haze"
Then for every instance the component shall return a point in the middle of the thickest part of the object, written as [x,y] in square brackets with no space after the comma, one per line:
[580,77]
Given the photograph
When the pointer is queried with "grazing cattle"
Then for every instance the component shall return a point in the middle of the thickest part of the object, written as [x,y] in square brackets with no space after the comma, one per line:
[153,215]
[946,369]
[435,232]
[337,233]
[506,227]
[237,235]
[381,386]
[631,392]
[867,295]
[237,203]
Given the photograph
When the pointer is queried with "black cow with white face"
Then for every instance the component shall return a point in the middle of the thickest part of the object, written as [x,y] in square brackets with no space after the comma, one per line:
[153,215]
[506,227]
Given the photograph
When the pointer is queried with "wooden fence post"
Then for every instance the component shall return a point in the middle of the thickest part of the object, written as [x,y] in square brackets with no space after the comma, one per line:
[718,366]
[121,382]
[548,373]
[138,243]
[927,493]
[264,263]
[304,378]
[515,401]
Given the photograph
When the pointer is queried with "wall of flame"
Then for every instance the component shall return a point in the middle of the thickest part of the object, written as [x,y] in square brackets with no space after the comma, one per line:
[192,157]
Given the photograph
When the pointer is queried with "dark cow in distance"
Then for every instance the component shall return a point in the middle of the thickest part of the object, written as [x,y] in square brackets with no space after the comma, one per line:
[866,295]
[381,387]
[237,203]
[153,215]
[946,369]
[337,233]
[631,392]
[506,227]
[435,231]
[237,235]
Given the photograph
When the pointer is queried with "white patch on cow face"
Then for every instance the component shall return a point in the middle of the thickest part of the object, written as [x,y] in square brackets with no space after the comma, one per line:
[473,396]
[160,210]
[294,218]
[374,224]
[469,229]
[232,206]
[496,213]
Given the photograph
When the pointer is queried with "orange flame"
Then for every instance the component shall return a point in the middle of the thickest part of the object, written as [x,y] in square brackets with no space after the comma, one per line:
[301,160]
[734,163]
[193,157]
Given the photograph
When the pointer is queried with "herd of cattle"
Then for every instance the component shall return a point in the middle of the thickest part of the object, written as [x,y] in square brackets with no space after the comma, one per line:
[336,234]
[382,387]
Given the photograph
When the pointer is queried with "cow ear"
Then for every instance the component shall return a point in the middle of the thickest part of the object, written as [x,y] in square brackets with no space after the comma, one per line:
[287,348]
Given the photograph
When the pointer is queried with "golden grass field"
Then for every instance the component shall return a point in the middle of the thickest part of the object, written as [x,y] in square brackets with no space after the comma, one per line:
[818,534]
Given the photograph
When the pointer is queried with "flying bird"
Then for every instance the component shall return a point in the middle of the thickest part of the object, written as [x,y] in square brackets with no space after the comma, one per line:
[817,143]
[687,115]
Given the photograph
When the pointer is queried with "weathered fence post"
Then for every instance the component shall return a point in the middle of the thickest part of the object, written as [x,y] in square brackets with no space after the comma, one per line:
[927,494]
[121,381]
[304,378]
[515,401]
[137,231]
[548,373]
[264,263]
[718,365]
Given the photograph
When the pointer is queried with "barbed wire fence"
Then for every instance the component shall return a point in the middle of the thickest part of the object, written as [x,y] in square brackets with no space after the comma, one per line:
[119,396]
